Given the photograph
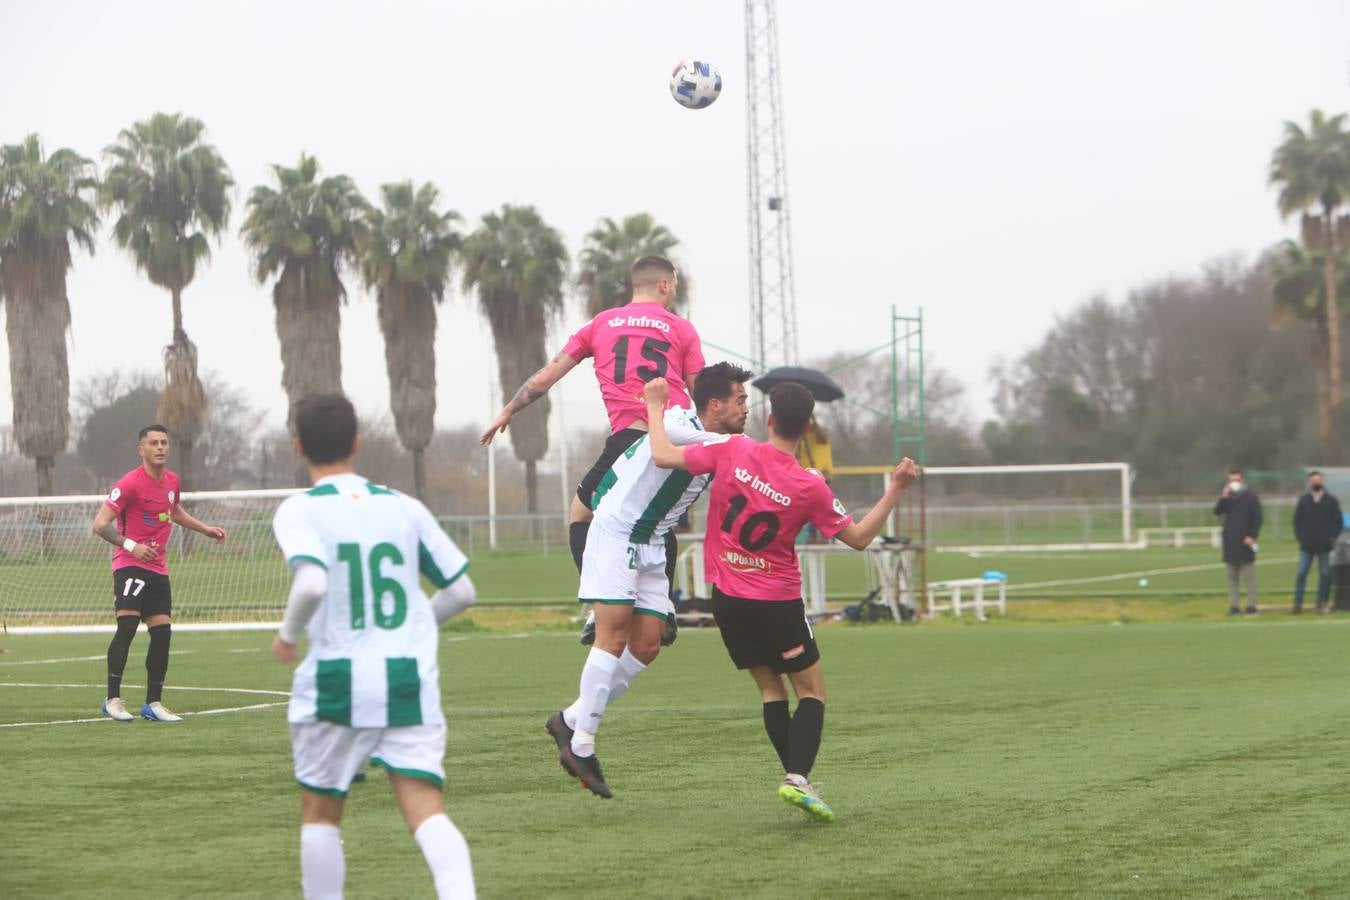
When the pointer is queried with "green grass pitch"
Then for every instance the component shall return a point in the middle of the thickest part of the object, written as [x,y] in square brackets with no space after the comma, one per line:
[1007,759]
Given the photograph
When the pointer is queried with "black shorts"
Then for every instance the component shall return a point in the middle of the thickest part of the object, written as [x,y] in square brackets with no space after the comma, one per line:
[142,590]
[771,633]
[615,444]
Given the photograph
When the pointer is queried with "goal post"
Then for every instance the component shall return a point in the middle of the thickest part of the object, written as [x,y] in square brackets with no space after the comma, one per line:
[55,575]
[999,509]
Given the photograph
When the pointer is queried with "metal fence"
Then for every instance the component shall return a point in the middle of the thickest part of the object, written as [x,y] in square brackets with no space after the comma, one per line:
[1061,522]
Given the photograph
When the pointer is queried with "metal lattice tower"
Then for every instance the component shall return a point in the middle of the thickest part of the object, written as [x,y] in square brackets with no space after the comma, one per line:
[773,306]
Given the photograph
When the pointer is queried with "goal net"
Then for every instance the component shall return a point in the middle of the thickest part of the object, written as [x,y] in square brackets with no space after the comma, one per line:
[1085,506]
[55,574]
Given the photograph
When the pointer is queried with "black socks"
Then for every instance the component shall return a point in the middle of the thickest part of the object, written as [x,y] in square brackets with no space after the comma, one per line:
[778,723]
[157,662]
[807,724]
[118,648]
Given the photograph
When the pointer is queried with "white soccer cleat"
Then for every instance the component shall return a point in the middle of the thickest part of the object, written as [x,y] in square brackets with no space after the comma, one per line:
[115,709]
[155,712]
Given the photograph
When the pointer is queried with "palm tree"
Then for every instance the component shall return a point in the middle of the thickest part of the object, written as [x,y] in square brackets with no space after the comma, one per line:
[406,261]
[171,190]
[1312,168]
[45,204]
[611,249]
[519,264]
[1298,292]
[305,231]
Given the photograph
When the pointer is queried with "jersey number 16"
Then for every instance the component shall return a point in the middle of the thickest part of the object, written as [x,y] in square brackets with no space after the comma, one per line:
[380,585]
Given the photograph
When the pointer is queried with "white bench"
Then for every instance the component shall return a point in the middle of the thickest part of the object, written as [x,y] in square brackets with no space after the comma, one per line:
[1179,537]
[955,588]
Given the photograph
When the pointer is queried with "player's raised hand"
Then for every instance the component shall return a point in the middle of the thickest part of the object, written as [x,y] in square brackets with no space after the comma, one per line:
[283,651]
[904,475]
[657,391]
[145,552]
[497,427]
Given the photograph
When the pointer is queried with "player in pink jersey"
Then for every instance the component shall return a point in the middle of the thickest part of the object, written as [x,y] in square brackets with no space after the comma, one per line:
[761,498]
[630,345]
[138,519]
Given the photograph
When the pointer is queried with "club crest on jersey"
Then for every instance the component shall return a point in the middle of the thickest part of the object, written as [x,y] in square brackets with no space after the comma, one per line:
[744,562]
[171,496]
[745,476]
[115,495]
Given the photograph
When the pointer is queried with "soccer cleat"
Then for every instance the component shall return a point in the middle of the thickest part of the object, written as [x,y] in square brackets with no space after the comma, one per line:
[556,726]
[587,770]
[803,796]
[155,712]
[1249,611]
[671,632]
[115,709]
[588,632]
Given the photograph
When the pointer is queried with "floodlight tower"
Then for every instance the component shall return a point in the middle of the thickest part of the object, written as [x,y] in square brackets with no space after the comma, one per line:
[773,306]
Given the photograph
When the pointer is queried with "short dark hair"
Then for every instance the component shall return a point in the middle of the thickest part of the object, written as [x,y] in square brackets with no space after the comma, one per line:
[651,269]
[791,406]
[1237,472]
[714,383]
[1315,472]
[140,435]
[326,427]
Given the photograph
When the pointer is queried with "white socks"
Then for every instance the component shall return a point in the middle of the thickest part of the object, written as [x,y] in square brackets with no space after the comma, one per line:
[629,668]
[322,867]
[604,679]
[592,699]
[447,855]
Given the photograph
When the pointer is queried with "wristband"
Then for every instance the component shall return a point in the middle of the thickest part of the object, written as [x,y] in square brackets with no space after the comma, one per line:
[129,545]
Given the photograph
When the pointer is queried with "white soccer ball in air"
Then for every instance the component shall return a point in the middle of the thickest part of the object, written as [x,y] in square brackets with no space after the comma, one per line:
[695,85]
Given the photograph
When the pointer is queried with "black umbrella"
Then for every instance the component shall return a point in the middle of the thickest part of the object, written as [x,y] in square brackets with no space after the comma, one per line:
[821,386]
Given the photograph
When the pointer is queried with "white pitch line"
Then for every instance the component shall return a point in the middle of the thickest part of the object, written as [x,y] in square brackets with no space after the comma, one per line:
[172,687]
[1207,567]
[200,712]
[74,659]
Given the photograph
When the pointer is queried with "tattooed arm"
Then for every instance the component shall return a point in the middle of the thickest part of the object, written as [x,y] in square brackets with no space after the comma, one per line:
[106,528]
[535,386]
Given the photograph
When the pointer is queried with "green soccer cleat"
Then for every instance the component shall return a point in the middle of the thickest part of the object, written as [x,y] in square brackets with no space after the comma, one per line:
[803,796]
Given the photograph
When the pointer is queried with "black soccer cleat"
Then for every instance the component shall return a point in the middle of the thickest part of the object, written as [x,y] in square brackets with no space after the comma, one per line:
[587,770]
[556,726]
[671,632]
[587,633]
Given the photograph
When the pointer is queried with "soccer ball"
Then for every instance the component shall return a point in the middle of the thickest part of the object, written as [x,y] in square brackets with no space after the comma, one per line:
[695,85]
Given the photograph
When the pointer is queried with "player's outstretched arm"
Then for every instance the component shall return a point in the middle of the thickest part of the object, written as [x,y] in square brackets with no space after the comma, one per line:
[105,527]
[859,535]
[535,386]
[186,519]
[664,453]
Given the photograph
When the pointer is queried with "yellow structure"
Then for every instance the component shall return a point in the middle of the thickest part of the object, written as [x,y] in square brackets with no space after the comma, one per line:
[814,450]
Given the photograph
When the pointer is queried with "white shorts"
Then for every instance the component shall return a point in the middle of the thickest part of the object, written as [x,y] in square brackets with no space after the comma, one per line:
[328,756]
[615,572]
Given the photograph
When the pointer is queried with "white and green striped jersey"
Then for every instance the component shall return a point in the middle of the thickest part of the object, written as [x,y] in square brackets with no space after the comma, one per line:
[373,639]
[638,501]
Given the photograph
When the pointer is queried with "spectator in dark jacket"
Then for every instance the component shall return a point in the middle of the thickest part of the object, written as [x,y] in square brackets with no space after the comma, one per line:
[1241,511]
[1317,523]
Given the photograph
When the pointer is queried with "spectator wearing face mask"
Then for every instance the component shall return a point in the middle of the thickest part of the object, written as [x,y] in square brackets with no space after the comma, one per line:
[1241,511]
[1317,523]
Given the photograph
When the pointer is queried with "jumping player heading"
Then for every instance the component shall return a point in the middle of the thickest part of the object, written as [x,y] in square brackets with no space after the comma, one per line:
[631,345]
[761,498]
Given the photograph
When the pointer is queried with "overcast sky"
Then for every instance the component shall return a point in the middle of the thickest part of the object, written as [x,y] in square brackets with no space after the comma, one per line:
[992,163]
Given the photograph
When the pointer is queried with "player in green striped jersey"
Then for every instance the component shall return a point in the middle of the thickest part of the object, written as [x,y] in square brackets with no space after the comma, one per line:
[623,571]
[369,687]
